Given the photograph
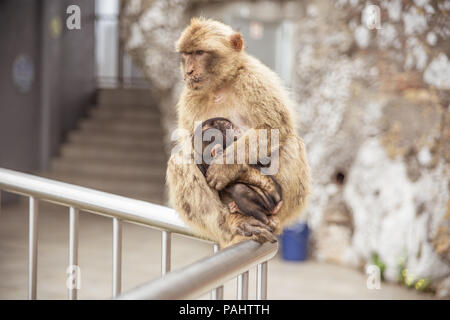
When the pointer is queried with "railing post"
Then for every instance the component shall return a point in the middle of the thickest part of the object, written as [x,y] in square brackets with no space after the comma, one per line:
[166,241]
[261,278]
[242,286]
[32,249]
[73,252]
[120,51]
[217,293]
[117,257]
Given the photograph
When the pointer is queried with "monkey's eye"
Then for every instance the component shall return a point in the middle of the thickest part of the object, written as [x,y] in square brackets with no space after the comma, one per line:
[199,52]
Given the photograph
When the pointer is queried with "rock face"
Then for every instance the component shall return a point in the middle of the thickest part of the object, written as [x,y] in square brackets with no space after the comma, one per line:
[375,130]
[372,86]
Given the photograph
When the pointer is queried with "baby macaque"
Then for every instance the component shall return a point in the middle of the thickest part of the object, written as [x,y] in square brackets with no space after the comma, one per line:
[243,196]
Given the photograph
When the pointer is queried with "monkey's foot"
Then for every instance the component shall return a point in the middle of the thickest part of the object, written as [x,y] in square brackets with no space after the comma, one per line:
[219,175]
[256,230]
[274,224]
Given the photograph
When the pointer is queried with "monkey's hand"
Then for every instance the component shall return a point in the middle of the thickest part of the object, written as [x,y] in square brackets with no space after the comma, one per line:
[219,174]
[249,228]
[252,201]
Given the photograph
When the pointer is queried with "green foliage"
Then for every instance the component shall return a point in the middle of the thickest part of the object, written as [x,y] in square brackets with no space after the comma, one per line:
[410,280]
[375,259]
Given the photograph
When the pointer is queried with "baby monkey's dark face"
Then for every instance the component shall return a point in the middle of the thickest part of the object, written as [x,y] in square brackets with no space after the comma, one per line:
[211,138]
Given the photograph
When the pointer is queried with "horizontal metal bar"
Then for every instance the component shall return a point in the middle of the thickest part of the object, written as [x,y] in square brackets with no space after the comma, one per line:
[86,199]
[206,274]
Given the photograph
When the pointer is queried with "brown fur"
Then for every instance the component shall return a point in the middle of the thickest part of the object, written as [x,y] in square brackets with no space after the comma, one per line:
[242,89]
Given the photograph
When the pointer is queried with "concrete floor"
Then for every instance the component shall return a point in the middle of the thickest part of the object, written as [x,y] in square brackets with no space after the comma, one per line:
[141,262]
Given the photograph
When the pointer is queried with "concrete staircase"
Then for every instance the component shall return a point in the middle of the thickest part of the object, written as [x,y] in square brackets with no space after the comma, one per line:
[118,148]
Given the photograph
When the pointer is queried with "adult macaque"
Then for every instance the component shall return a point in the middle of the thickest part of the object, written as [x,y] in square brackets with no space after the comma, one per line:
[221,80]
[253,193]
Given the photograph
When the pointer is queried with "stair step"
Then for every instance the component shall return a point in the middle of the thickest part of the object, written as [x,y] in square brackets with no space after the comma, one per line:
[92,126]
[118,149]
[157,136]
[125,97]
[81,159]
[142,173]
[111,113]
[124,141]
[129,108]
[123,124]
[111,152]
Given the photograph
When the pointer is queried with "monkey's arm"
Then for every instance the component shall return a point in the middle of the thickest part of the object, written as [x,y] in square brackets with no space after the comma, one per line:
[255,146]
[252,176]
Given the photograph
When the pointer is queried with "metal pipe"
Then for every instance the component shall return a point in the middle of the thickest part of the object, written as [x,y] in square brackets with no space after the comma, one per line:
[120,52]
[91,200]
[73,252]
[120,58]
[261,284]
[117,257]
[166,240]
[204,275]
[217,293]
[32,247]
[242,286]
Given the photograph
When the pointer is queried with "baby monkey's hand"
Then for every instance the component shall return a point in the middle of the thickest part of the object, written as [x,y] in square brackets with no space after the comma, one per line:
[219,175]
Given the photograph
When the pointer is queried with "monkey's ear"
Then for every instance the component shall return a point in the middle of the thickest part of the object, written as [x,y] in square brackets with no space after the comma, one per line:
[236,41]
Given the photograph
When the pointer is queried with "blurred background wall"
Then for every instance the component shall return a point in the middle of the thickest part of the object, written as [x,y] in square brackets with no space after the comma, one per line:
[47,79]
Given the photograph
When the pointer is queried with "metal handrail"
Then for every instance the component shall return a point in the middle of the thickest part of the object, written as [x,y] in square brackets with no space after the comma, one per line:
[189,282]
[200,277]
[86,199]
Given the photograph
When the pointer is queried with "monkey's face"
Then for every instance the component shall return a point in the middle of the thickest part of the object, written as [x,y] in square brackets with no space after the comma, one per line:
[196,68]
[210,54]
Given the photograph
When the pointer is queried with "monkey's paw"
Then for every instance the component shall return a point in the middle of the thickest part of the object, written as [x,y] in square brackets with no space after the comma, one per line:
[219,175]
[256,230]
[274,224]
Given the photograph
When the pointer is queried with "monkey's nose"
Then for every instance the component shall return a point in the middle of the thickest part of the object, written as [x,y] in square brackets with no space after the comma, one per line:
[190,72]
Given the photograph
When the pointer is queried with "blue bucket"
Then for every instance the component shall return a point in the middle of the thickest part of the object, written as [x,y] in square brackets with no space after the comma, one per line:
[294,242]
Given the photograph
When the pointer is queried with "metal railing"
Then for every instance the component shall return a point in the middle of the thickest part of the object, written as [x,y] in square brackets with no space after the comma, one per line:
[200,277]
[189,282]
